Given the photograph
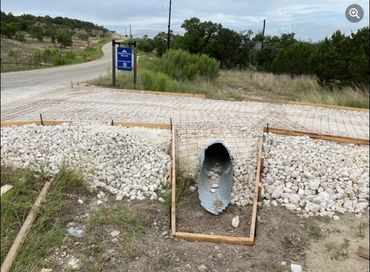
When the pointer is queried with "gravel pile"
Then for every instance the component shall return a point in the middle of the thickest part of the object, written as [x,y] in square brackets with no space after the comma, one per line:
[313,177]
[244,180]
[129,162]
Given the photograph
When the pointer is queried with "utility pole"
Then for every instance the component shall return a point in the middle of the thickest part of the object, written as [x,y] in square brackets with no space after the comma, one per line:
[130,32]
[263,33]
[169,26]
[125,31]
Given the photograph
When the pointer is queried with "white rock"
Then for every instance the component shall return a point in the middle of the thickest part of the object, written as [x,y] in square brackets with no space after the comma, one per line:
[294,198]
[277,193]
[192,189]
[314,184]
[295,268]
[77,233]
[202,268]
[235,221]
[74,264]
[115,233]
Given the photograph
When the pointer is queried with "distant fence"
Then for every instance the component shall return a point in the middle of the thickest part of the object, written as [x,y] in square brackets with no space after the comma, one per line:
[33,61]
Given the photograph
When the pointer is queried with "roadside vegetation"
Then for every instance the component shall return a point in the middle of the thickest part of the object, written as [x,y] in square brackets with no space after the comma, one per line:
[48,229]
[174,72]
[30,42]
[245,65]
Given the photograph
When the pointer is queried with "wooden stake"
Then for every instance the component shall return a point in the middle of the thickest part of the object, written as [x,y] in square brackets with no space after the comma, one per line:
[258,183]
[173,183]
[12,254]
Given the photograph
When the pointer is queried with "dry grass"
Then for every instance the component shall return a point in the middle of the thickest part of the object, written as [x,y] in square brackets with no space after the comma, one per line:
[250,84]
[244,84]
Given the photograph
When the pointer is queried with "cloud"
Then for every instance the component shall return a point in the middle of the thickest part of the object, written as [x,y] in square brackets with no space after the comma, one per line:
[309,19]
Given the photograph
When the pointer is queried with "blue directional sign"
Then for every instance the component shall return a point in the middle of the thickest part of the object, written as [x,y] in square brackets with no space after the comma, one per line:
[124,58]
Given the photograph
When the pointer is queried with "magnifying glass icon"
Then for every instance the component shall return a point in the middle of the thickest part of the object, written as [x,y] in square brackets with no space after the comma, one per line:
[353,12]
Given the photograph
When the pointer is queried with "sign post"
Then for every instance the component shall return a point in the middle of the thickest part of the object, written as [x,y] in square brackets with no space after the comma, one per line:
[124,60]
[113,63]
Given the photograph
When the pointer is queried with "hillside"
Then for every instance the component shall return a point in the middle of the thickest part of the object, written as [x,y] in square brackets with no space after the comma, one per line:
[31,42]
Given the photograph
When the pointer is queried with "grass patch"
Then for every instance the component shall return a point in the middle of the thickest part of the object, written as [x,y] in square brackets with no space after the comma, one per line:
[131,225]
[16,204]
[361,227]
[182,190]
[312,232]
[48,229]
[338,252]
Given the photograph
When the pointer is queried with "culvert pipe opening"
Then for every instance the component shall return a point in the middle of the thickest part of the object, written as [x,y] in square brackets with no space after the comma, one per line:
[215,179]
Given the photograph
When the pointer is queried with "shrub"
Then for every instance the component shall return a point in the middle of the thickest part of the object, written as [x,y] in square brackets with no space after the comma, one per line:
[19,36]
[154,81]
[64,37]
[181,65]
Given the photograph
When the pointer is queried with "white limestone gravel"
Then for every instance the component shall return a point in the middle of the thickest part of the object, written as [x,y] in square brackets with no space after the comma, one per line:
[314,177]
[129,162]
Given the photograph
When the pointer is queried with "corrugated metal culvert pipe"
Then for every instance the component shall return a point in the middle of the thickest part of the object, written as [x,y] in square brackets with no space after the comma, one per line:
[215,179]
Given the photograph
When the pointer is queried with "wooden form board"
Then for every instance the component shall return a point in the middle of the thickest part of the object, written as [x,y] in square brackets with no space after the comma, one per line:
[5,188]
[21,236]
[327,106]
[235,240]
[163,93]
[319,136]
[57,122]
[363,252]
[35,122]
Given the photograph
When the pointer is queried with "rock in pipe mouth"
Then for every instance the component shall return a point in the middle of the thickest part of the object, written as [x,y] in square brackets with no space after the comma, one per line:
[216,177]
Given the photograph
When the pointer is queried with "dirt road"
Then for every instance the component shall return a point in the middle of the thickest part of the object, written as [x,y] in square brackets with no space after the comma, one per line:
[17,87]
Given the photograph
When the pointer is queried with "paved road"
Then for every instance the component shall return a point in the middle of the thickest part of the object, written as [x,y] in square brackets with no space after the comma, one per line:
[20,87]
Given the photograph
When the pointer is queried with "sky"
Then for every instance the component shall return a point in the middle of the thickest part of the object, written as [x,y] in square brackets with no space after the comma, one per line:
[311,20]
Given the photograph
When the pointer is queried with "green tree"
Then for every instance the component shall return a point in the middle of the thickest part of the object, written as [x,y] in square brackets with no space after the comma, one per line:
[64,37]
[358,65]
[51,32]
[331,59]
[9,29]
[145,44]
[295,60]
[160,43]
[37,32]
[199,36]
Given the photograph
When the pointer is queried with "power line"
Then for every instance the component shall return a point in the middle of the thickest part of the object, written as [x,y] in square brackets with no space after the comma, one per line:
[163,9]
